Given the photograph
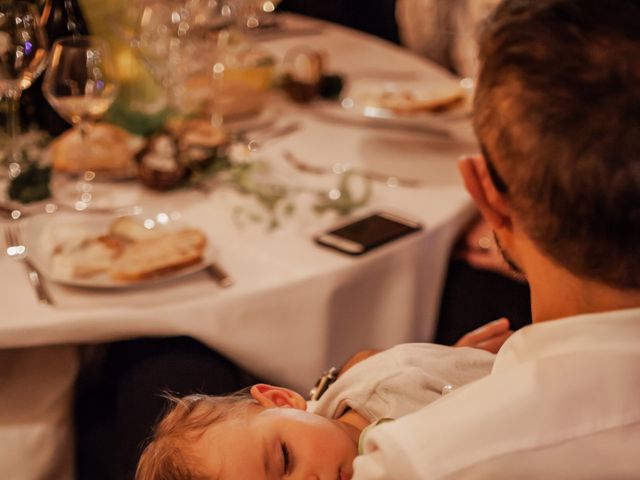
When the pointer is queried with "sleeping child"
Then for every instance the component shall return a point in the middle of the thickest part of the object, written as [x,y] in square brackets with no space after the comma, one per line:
[269,432]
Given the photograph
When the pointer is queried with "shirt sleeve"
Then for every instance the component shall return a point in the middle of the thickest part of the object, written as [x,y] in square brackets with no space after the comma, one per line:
[370,467]
[402,380]
[389,463]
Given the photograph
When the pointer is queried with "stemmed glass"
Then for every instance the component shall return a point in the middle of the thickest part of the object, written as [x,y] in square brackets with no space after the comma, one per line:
[23,55]
[179,41]
[160,36]
[80,84]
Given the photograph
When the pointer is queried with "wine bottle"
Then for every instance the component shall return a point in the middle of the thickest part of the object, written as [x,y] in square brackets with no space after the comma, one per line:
[62,18]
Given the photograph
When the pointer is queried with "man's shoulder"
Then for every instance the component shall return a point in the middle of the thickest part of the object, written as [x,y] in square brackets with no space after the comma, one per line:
[541,405]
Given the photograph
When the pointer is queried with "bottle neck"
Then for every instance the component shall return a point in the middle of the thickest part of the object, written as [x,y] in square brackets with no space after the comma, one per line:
[63,18]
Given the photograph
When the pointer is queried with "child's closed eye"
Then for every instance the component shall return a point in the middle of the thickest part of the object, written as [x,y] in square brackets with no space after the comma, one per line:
[286,459]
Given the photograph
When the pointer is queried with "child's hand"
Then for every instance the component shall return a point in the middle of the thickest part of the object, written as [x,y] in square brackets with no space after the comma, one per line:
[489,337]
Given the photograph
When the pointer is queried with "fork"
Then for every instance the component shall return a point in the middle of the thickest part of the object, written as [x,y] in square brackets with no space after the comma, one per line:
[17,250]
[258,140]
[389,180]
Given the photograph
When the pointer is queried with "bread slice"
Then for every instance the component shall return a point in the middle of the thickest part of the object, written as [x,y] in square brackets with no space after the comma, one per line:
[158,256]
[87,259]
[112,151]
[132,231]
[406,102]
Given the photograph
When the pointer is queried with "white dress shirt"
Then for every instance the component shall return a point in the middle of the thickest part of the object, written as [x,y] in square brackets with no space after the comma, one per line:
[562,401]
[401,380]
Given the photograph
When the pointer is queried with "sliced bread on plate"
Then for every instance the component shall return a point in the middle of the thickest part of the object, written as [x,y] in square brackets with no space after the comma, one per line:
[159,255]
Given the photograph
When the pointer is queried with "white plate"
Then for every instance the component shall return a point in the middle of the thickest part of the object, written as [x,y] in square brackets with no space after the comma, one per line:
[45,232]
[363,102]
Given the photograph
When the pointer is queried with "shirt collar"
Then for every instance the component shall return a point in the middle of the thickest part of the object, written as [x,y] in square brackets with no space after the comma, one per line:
[581,332]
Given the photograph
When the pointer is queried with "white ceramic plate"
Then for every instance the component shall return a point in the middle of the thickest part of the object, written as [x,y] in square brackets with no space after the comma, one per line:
[46,232]
[367,102]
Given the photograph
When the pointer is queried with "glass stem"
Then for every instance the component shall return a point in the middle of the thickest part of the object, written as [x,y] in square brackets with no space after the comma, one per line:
[217,115]
[84,127]
[85,183]
[13,130]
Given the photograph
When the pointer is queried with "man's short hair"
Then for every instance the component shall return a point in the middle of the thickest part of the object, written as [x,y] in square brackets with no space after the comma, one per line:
[557,112]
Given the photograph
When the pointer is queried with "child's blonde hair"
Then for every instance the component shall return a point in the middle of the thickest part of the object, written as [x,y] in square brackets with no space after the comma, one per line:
[167,456]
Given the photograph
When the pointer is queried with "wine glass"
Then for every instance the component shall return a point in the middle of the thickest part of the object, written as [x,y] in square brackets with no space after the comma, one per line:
[23,55]
[161,36]
[80,84]
[179,40]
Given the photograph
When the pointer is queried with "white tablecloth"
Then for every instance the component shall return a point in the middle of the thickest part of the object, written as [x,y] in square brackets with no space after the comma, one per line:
[290,295]
[295,308]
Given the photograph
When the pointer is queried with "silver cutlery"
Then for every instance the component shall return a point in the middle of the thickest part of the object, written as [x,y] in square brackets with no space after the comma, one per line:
[17,250]
[220,275]
[386,75]
[15,210]
[347,113]
[278,29]
[258,140]
[389,180]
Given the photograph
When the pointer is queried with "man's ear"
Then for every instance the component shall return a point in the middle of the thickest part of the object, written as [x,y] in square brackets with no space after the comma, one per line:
[269,397]
[491,203]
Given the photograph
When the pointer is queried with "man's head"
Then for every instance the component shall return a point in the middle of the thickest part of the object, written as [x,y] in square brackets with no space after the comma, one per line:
[262,433]
[557,113]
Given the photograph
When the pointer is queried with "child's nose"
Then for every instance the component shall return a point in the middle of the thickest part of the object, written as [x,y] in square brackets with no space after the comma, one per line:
[317,472]
[311,476]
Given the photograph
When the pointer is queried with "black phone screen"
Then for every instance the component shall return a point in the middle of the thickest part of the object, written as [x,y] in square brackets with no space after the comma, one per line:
[373,230]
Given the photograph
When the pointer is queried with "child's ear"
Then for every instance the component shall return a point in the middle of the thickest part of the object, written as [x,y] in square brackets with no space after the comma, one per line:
[269,396]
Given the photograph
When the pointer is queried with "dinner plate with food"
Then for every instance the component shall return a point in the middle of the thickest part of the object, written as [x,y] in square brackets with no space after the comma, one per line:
[415,105]
[103,251]
[112,152]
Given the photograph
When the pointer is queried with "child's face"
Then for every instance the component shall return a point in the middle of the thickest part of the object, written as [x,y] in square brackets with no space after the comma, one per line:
[279,441]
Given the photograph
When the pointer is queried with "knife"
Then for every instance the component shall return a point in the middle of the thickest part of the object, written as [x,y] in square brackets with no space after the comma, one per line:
[220,275]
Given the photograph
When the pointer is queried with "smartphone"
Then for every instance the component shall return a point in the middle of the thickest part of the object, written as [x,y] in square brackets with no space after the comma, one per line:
[367,233]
